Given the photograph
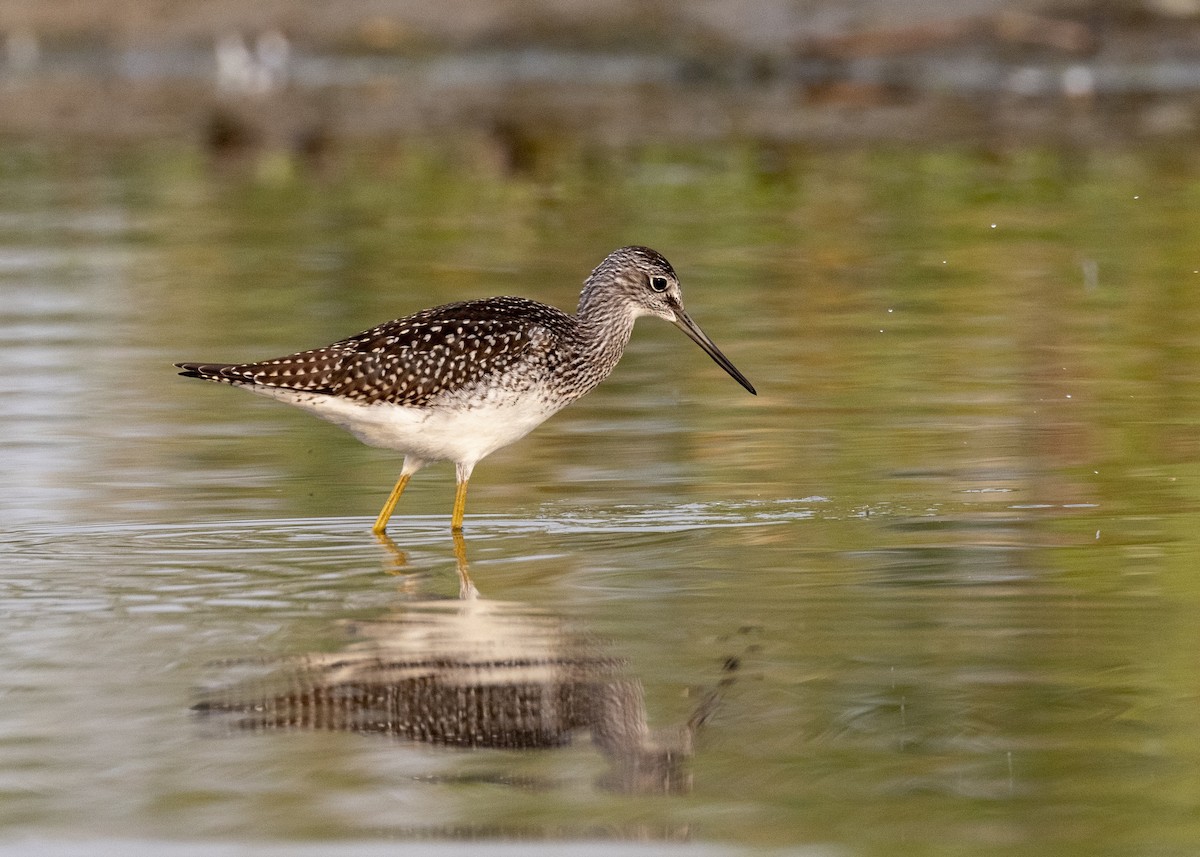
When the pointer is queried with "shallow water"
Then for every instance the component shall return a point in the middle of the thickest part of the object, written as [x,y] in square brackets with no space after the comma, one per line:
[932,591]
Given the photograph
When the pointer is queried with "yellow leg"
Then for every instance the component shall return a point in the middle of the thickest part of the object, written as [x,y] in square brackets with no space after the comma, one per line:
[460,506]
[382,521]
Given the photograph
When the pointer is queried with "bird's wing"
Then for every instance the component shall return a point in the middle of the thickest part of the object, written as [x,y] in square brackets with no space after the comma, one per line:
[413,359]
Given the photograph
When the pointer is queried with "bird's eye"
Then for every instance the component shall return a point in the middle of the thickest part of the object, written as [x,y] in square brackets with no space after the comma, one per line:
[658,284]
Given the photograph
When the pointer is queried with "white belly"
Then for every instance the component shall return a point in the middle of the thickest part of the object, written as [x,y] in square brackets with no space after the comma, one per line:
[440,433]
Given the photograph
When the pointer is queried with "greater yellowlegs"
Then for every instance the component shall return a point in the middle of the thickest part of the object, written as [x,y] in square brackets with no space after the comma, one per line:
[457,382]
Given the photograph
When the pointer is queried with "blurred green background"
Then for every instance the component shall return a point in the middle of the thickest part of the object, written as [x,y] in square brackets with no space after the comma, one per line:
[947,555]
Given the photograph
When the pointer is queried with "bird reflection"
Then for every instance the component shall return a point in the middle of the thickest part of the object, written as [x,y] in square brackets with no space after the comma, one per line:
[474,673]
[398,562]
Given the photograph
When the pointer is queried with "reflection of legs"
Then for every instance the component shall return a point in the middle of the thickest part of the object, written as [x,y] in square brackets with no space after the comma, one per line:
[399,558]
[411,466]
[463,472]
[466,589]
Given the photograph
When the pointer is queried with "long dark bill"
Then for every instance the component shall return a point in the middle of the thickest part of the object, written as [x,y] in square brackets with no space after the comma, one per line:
[684,322]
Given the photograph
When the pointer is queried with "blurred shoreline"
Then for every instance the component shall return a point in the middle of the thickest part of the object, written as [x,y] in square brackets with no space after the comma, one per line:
[523,75]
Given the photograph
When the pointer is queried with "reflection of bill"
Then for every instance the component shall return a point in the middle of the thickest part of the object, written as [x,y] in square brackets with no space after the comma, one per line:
[478,674]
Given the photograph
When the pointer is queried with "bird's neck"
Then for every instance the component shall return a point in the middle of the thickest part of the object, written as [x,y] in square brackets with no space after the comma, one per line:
[602,330]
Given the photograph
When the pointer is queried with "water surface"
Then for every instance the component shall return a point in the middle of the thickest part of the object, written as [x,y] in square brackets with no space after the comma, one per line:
[931,591]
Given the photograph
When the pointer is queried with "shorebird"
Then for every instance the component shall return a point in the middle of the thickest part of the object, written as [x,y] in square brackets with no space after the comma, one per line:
[459,381]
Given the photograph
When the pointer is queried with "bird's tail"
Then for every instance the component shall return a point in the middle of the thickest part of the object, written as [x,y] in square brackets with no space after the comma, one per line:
[207,371]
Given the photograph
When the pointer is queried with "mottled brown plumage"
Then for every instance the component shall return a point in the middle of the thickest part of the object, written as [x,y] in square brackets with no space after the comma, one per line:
[412,360]
[456,382]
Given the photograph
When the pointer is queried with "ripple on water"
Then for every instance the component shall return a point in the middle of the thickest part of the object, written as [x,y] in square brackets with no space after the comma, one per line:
[276,564]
